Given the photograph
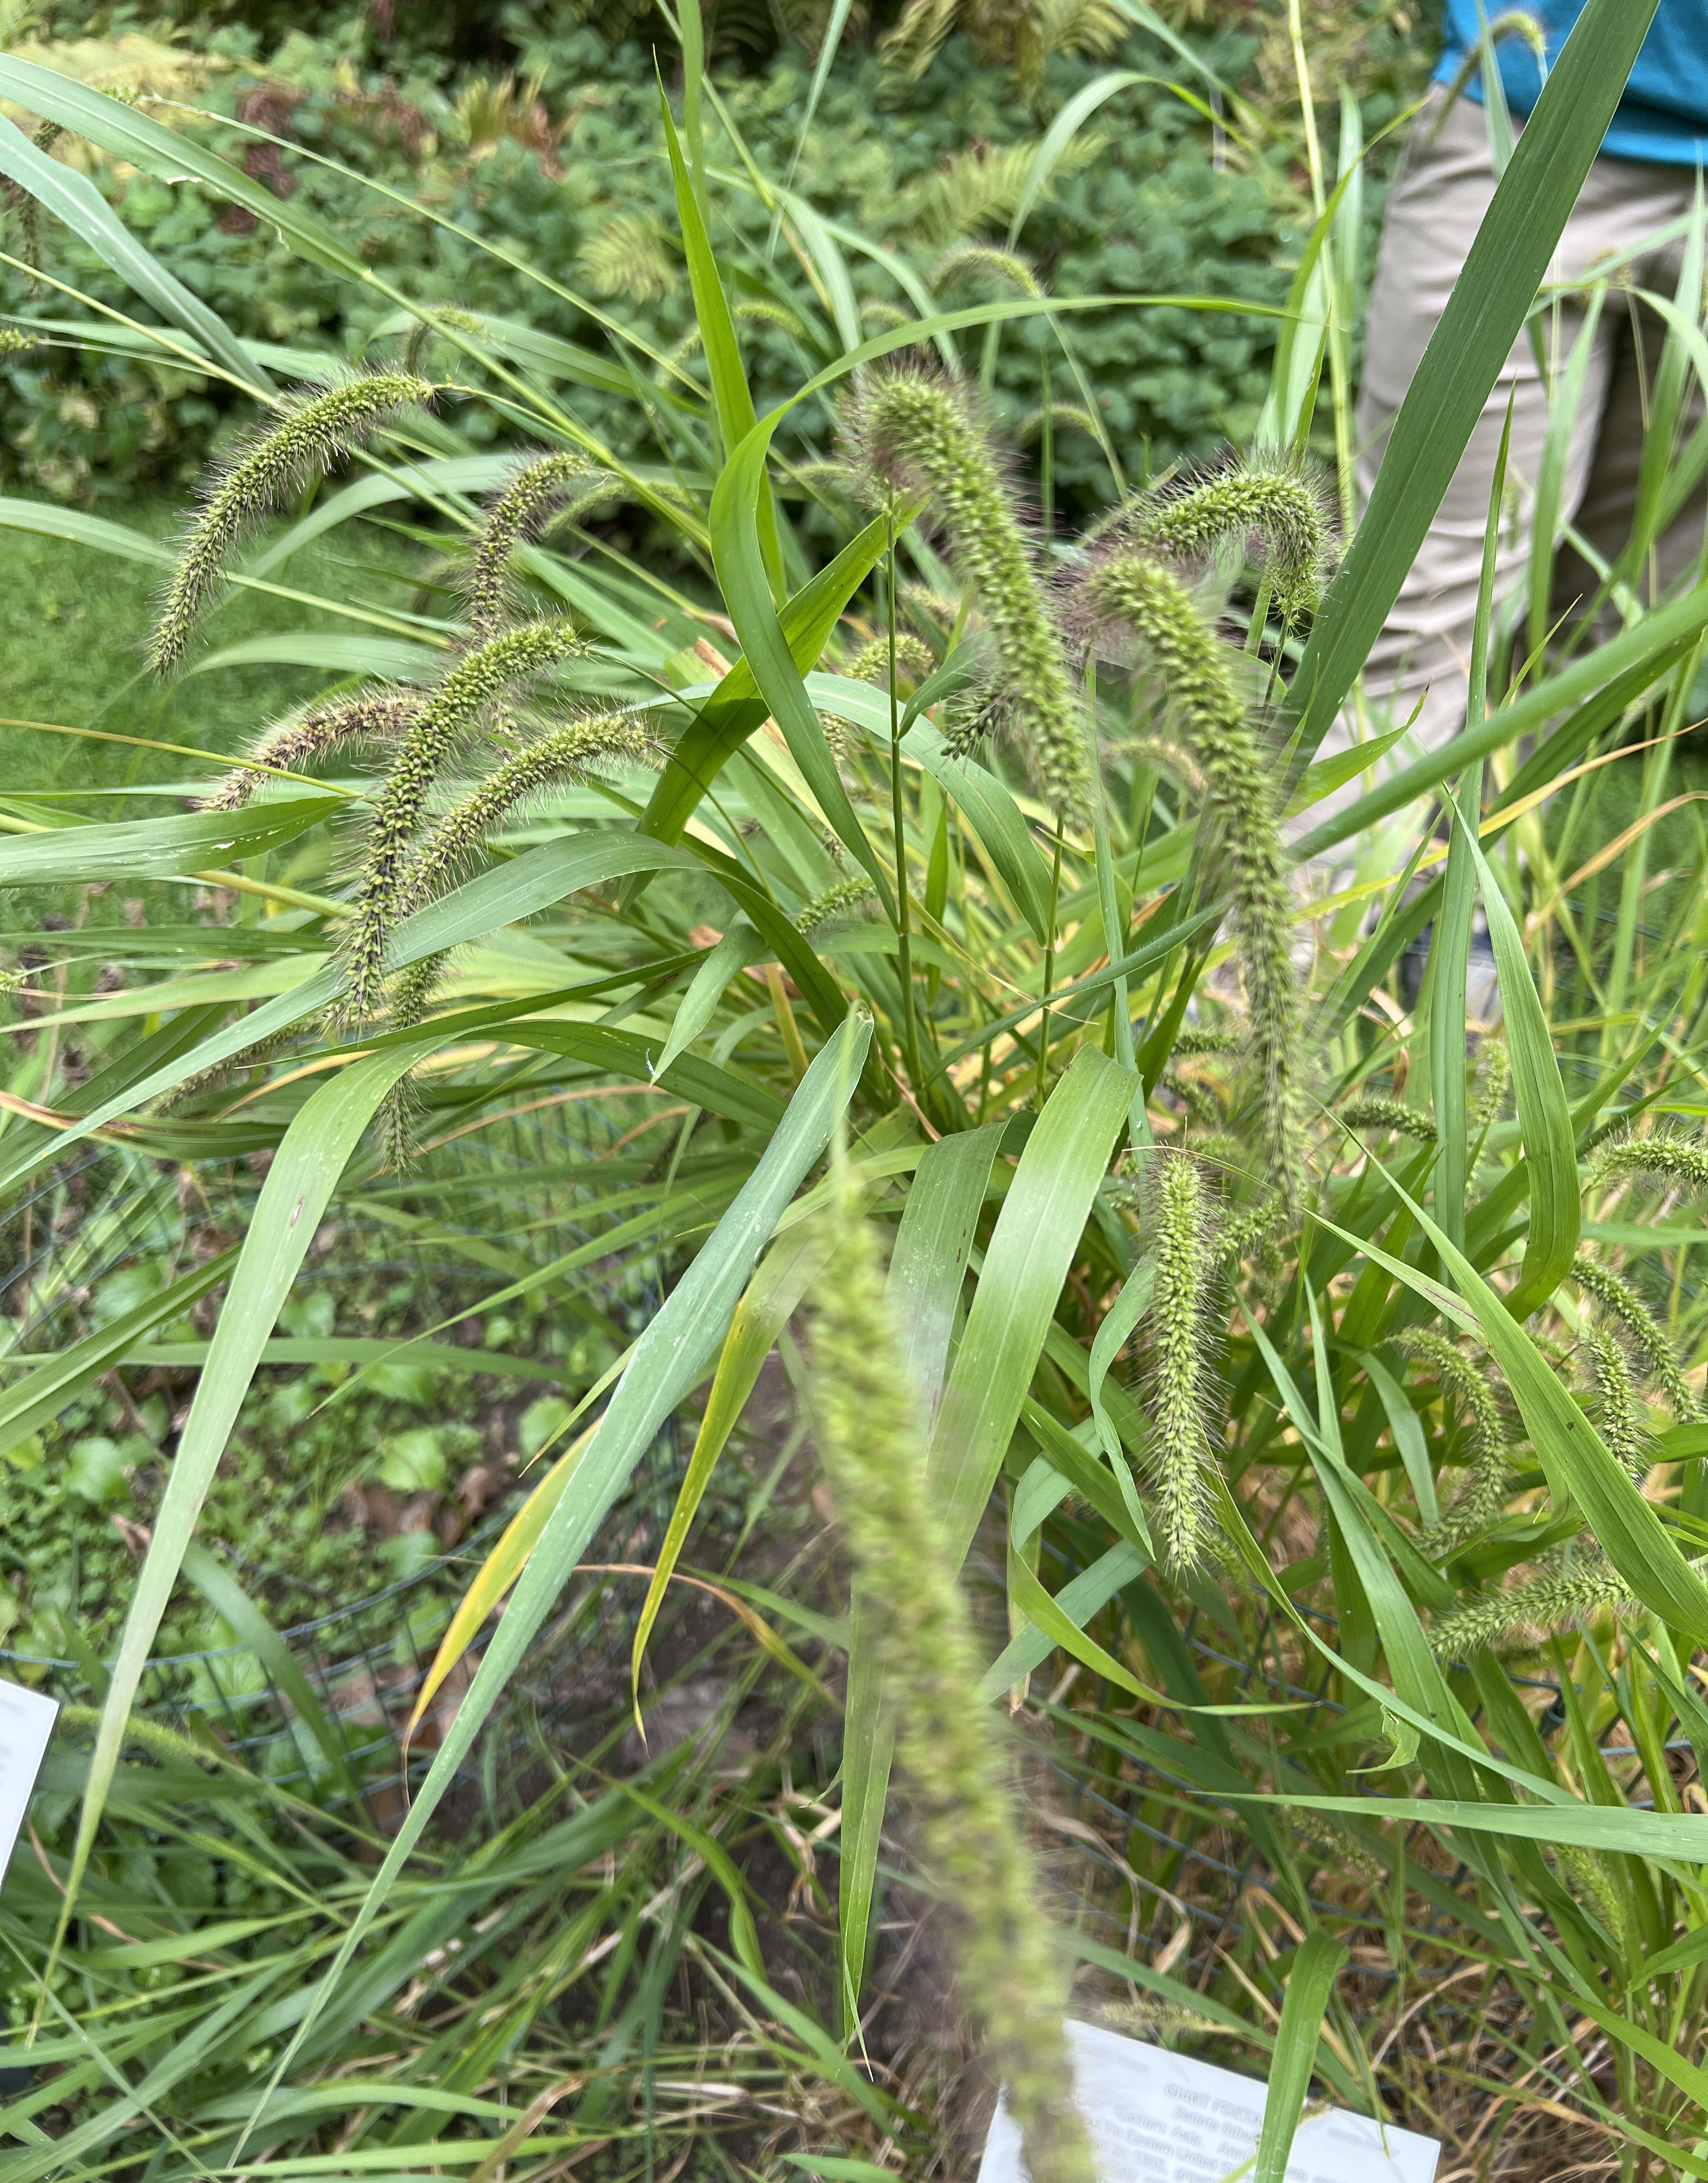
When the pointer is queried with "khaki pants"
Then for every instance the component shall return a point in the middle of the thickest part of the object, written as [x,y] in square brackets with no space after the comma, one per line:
[1443,190]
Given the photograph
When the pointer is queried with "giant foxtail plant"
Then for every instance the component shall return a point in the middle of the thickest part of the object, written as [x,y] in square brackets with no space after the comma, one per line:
[1221,1303]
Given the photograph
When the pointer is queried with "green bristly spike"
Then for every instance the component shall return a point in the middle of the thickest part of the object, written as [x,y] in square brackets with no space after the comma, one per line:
[309,433]
[1182,1371]
[381,716]
[972,1847]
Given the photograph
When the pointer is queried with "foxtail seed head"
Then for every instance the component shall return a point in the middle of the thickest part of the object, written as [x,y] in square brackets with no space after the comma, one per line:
[300,443]
[380,717]
[1620,1301]
[568,754]
[1182,1344]
[460,704]
[1563,1589]
[910,431]
[1618,1409]
[1482,1494]
[982,261]
[849,898]
[871,662]
[1374,1112]
[972,1850]
[1674,1162]
[544,486]
[1127,596]
[1280,513]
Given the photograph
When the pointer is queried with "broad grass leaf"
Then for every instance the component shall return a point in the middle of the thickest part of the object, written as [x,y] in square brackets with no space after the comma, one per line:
[730,716]
[731,395]
[1544,1117]
[1468,350]
[1310,1985]
[398,661]
[738,947]
[170,154]
[157,848]
[1031,1249]
[1077,1601]
[47,520]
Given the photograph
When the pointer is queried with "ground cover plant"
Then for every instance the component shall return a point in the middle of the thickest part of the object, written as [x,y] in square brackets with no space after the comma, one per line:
[1303,1366]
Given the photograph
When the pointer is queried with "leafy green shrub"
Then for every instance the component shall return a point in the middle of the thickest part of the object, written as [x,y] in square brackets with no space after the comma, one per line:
[1137,206]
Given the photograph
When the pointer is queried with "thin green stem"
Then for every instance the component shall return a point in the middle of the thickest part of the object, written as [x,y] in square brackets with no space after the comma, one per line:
[1049,965]
[904,951]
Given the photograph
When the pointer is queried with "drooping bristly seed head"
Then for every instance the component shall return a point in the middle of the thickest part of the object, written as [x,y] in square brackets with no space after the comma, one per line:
[1278,514]
[545,486]
[1665,1159]
[1183,1341]
[381,716]
[307,434]
[908,432]
[1568,1586]
[871,662]
[982,261]
[1482,1492]
[972,1848]
[400,1112]
[1125,598]
[1375,1115]
[1620,1301]
[460,704]
[1618,1409]
[571,752]
[849,898]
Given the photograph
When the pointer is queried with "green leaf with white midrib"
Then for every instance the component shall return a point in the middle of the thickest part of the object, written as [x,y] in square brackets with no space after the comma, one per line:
[157,848]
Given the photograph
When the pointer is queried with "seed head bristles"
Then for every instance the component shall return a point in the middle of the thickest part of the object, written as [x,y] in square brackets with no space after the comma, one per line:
[1372,1112]
[1584,1872]
[14,341]
[223,1072]
[380,717]
[309,433]
[1280,515]
[1620,1301]
[566,754]
[1127,593]
[1482,1496]
[460,703]
[982,261]
[1183,1342]
[1618,1409]
[972,1848]
[544,486]
[1196,1038]
[1667,1160]
[849,897]
[400,1112]
[911,432]
[1061,416]
[871,662]
[1497,1075]
[1561,1591]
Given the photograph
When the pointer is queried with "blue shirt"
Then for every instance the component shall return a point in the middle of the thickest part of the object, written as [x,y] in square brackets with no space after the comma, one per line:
[1664,113]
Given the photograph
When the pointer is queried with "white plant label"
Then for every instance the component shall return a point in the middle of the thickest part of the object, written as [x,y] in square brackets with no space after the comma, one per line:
[1160,2117]
[26,1722]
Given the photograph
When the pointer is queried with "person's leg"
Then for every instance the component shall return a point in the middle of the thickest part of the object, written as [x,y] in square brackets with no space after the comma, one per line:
[1609,505]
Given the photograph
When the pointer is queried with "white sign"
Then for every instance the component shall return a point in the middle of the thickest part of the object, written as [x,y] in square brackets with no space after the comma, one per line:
[26,1722]
[1160,2117]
